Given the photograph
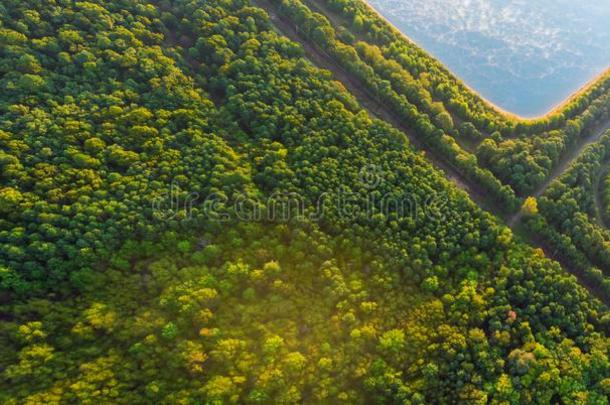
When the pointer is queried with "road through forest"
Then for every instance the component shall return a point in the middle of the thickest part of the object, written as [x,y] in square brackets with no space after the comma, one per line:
[374,106]
[377,109]
[564,164]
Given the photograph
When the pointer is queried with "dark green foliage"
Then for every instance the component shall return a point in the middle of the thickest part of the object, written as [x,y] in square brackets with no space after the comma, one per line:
[569,206]
[606,197]
[367,303]
[397,88]
[532,148]
[106,125]
[526,162]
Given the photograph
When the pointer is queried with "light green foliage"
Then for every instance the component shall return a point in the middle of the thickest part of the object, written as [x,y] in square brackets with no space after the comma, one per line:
[109,298]
[520,153]
[97,125]
[606,197]
[289,343]
[570,215]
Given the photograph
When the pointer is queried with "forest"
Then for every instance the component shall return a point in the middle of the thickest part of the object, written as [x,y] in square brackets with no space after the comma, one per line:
[573,206]
[135,135]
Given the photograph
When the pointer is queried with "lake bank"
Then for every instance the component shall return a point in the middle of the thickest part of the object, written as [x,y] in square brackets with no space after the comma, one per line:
[536,98]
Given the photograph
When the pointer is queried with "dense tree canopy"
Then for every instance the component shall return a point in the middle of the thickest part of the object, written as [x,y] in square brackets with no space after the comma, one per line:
[606,197]
[570,206]
[508,151]
[140,140]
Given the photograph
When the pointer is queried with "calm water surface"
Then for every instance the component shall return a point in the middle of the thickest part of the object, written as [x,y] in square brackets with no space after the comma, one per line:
[524,56]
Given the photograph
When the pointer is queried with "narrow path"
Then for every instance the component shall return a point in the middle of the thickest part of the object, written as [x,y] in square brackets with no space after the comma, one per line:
[564,164]
[374,105]
[377,109]
[598,190]
[595,134]
[337,20]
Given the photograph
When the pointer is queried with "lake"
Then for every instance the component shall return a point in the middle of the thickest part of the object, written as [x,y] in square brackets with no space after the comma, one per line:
[524,56]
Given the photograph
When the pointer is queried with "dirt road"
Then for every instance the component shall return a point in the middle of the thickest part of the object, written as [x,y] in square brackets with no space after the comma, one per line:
[377,109]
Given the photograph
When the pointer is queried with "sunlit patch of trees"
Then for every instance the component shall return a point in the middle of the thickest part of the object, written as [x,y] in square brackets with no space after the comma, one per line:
[107,107]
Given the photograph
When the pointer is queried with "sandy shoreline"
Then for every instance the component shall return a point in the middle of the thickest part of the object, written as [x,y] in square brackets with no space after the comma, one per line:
[555,110]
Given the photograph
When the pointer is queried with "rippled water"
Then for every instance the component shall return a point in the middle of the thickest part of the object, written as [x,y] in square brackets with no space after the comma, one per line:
[524,56]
